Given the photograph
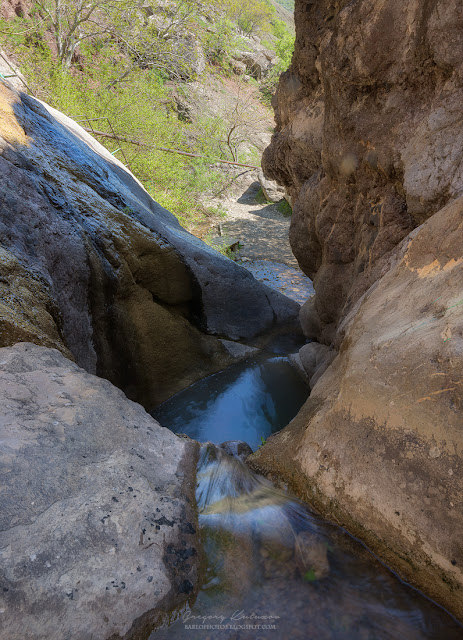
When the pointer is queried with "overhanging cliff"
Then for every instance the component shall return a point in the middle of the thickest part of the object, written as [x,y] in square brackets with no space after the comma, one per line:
[368,141]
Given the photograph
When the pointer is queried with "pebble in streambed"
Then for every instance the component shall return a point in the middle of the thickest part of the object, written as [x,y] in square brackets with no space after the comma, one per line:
[288,280]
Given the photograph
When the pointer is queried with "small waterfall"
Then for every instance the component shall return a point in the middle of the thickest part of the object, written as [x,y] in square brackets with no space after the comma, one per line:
[274,569]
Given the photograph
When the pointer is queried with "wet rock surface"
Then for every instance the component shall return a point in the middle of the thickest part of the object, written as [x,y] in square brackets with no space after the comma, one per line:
[98,523]
[90,264]
[247,401]
[311,556]
[237,448]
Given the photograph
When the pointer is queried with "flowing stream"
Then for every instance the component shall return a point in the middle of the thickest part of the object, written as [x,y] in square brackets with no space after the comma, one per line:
[273,568]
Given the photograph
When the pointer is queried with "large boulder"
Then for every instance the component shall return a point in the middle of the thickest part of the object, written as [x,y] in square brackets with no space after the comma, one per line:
[378,445]
[98,524]
[91,265]
[271,190]
[257,59]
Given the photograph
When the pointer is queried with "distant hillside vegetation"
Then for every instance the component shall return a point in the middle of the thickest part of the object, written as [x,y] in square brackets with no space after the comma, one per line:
[287,4]
[131,70]
[285,11]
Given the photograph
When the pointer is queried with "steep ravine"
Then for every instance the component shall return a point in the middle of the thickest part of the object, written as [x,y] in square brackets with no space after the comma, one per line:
[369,145]
[99,538]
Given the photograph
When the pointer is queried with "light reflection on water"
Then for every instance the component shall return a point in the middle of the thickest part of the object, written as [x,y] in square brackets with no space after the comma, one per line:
[271,561]
[248,401]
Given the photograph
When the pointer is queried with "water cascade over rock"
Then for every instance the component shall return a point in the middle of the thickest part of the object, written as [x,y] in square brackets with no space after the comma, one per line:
[275,566]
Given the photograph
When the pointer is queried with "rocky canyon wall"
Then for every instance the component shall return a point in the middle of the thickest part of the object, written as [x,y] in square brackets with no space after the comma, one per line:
[369,145]
[369,141]
[99,535]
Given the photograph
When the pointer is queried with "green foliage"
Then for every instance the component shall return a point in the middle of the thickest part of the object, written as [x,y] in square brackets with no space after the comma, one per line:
[218,211]
[14,31]
[310,576]
[284,49]
[120,65]
[251,16]
[287,4]
[279,28]
[220,43]
[140,108]
[285,208]
[283,45]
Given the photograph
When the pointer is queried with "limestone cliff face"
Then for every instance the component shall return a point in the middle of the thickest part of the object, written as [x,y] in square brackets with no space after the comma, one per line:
[369,141]
[91,265]
[370,145]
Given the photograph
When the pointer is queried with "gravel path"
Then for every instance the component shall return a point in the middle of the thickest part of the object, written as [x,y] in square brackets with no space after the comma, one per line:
[262,231]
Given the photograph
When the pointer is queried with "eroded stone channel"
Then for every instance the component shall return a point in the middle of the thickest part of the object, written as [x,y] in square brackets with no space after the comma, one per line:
[248,401]
[274,568]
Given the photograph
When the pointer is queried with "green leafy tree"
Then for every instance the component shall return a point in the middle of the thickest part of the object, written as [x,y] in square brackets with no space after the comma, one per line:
[151,38]
[73,21]
[284,48]
[162,38]
[251,16]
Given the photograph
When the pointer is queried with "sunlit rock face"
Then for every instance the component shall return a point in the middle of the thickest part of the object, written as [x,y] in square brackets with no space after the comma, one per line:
[369,145]
[91,265]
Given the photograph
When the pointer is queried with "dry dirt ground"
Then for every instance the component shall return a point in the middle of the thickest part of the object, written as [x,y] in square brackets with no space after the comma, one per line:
[261,230]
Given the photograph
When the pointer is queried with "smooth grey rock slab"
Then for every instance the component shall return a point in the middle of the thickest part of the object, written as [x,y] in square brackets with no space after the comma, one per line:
[97,518]
[233,303]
